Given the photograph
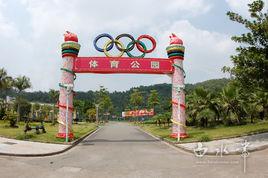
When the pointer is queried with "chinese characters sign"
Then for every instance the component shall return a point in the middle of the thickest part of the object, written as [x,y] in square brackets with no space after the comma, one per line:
[137,113]
[122,65]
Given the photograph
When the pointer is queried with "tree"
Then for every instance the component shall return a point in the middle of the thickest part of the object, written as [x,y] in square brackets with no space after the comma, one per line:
[153,99]
[21,83]
[5,80]
[232,103]
[204,116]
[54,96]
[251,62]
[202,107]
[136,99]
[25,107]
[91,114]
[104,101]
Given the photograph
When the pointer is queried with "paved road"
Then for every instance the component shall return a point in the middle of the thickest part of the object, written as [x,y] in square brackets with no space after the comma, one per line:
[121,150]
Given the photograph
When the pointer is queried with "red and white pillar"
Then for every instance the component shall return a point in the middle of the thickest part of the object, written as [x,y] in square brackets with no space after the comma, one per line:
[70,50]
[175,52]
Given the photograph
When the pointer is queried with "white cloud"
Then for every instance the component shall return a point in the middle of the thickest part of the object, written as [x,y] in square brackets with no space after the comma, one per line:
[39,56]
[241,6]
[206,52]
[7,29]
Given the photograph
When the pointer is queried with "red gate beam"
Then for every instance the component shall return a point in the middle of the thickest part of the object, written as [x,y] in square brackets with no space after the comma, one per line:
[107,65]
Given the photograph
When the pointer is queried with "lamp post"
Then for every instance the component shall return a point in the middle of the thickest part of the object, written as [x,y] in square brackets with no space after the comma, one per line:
[69,88]
[179,89]
[97,112]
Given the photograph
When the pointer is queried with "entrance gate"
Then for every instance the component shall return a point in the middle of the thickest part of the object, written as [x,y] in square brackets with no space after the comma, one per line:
[173,66]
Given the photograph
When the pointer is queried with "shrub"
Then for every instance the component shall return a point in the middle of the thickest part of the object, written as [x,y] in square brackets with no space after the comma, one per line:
[204,138]
[11,116]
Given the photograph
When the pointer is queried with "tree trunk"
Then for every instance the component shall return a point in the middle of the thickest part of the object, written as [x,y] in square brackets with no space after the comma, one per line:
[18,112]
[53,117]
[251,118]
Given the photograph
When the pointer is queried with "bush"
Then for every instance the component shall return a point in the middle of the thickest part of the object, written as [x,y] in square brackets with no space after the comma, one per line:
[12,118]
[204,138]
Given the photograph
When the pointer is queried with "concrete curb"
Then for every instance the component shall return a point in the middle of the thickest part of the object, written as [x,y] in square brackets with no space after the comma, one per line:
[167,142]
[73,144]
[207,153]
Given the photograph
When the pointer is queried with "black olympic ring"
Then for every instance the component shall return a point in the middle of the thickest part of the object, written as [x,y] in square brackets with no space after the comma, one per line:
[120,46]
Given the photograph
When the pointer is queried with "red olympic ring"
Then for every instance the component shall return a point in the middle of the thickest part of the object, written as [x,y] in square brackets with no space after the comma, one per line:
[149,38]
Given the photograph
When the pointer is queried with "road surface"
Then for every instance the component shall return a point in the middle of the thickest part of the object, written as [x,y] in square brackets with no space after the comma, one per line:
[121,150]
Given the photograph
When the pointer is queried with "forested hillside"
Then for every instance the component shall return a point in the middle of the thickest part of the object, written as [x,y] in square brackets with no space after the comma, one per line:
[120,100]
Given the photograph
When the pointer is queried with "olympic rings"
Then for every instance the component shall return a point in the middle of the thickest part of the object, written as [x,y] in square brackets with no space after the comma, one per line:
[128,48]
[137,42]
[149,38]
[110,43]
[101,36]
[121,47]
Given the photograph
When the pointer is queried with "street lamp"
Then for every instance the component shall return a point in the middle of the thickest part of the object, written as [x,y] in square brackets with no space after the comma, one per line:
[97,112]
[69,89]
[179,89]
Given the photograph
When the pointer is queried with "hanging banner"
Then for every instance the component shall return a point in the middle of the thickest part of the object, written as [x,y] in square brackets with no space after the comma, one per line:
[122,65]
[138,113]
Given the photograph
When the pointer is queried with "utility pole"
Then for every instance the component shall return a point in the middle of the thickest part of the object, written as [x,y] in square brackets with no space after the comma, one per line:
[97,112]
[69,88]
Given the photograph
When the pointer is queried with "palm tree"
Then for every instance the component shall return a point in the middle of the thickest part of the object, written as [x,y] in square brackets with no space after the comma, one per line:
[3,75]
[153,99]
[136,99]
[6,81]
[20,84]
[200,103]
[231,103]
[204,116]
[54,96]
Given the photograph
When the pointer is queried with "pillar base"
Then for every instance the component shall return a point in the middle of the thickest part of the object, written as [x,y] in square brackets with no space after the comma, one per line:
[63,135]
[182,135]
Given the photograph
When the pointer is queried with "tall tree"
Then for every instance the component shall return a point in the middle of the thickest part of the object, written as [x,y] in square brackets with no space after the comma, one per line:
[5,80]
[251,62]
[136,99]
[231,102]
[104,101]
[54,96]
[21,83]
[153,99]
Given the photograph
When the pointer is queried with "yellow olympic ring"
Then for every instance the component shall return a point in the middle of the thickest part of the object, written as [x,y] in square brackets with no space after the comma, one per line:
[178,123]
[116,42]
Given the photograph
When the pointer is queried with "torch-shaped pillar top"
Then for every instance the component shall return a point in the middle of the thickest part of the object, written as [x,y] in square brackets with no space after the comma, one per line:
[70,47]
[175,50]
[175,40]
[68,36]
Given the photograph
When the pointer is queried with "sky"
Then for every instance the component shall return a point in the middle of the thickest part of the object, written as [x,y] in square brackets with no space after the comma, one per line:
[31,32]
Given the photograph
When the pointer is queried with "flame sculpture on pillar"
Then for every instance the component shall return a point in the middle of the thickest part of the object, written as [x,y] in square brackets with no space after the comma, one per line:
[175,52]
[70,49]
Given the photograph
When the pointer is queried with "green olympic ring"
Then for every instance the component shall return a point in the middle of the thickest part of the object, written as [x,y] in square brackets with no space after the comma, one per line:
[129,46]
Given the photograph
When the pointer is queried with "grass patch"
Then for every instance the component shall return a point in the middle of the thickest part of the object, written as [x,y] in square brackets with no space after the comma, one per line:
[79,130]
[207,134]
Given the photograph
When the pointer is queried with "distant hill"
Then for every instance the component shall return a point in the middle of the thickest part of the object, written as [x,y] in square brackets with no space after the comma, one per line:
[213,85]
[121,99]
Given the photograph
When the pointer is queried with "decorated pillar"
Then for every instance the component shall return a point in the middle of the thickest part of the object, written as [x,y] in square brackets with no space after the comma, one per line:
[70,50]
[175,52]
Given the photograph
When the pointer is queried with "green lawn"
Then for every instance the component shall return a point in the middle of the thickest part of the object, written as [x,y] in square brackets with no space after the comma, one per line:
[78,129]
[196,134]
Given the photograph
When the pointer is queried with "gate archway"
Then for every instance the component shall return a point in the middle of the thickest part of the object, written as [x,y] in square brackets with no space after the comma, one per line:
[72,64]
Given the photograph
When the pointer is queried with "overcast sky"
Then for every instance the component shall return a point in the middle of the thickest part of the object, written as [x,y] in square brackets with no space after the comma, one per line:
[31,32]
